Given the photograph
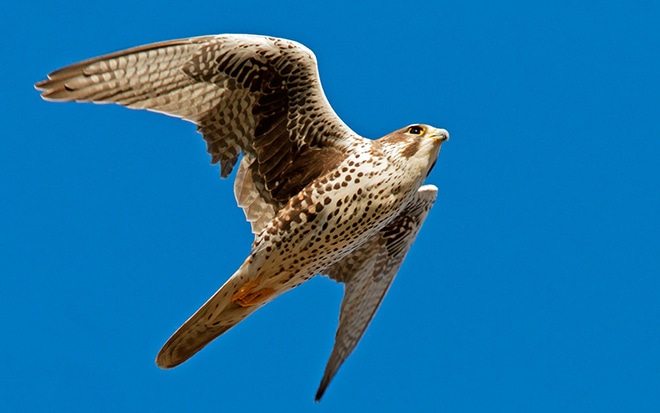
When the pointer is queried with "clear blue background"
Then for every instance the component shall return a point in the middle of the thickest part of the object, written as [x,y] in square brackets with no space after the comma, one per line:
[534,286]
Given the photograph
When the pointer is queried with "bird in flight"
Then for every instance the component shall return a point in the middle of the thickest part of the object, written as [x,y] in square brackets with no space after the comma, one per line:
[320,198]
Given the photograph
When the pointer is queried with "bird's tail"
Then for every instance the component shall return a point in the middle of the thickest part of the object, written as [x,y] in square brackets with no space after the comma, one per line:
[239,297]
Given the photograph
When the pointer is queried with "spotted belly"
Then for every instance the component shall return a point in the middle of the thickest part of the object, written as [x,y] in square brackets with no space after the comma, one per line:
[325,222]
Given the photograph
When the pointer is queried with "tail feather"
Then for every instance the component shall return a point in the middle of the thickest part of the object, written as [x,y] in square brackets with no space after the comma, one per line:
[213,319]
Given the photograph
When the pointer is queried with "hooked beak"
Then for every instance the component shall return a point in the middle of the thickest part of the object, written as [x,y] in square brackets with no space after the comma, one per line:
[440,135]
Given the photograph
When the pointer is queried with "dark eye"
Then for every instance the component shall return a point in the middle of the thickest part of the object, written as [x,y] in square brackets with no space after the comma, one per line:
[416,130]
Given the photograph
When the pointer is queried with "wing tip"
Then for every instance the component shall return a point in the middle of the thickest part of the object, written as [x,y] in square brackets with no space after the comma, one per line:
[57,94]
[53,89]
[330,371]
[41,85]
[44,87]
[321,390]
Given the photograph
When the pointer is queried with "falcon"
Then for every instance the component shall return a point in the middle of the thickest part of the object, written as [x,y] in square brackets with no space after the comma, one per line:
[320,198]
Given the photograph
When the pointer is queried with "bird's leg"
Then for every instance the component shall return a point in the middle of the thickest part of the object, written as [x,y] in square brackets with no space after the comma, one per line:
[250,293]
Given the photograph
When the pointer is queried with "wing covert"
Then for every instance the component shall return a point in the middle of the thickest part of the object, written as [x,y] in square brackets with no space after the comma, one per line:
[260,96]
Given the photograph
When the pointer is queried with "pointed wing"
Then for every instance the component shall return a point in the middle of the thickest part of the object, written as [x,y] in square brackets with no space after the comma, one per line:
[252,94]
[368,273]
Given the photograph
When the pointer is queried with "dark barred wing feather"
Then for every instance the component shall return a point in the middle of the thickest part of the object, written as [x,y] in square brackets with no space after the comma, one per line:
[255,95]
[367,274]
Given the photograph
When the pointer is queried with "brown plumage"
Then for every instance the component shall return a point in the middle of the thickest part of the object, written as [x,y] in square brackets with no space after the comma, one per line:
[320,198]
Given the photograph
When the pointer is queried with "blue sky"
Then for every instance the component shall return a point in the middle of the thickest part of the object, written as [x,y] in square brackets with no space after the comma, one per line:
[534,285]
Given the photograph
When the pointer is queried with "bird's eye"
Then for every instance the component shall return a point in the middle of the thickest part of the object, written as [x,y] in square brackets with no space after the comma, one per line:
[416,130]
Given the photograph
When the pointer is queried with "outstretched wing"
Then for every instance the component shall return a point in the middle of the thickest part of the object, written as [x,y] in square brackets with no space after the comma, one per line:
[252,94]
[368,273]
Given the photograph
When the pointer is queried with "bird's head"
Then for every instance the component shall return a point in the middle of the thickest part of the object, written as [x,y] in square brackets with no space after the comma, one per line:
[426,131]
[416,145]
